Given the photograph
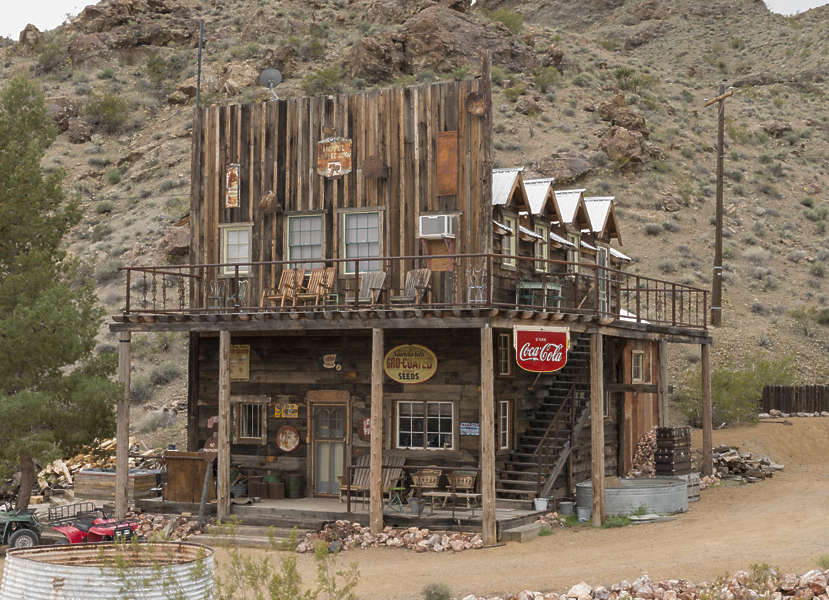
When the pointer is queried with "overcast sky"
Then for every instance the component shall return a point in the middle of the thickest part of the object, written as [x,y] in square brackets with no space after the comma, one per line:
[47,14]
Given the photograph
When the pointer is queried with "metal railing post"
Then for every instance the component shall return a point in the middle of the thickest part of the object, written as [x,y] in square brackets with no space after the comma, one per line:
[129,291]
[357,283]
[236,288]
[638,302]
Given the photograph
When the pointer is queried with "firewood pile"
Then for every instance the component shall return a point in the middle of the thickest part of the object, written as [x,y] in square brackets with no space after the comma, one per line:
[742,585]
[59,474]
[732,463]
[644,464]
[344,535]
[168,527]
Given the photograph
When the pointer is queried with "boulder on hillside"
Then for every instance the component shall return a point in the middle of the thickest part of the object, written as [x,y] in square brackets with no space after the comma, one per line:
[79,131]
[109,14]
[437,39]
[617,111]
[623,145]
[566,167]
[30,38]
[210,83]
[777,128]
[645,33]
[176,241]
[238,76]
[132,23]
[61,110]
[84,47]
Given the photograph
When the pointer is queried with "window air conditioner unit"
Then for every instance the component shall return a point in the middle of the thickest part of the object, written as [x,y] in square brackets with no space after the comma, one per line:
[436,226]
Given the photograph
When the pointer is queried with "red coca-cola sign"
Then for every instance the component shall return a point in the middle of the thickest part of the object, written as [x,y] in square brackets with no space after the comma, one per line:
[541,349]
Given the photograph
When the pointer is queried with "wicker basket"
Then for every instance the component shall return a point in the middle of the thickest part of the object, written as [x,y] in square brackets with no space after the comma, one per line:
[461,480]
[426,478]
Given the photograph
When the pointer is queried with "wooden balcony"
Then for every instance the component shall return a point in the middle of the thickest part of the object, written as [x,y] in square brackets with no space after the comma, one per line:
[439,286]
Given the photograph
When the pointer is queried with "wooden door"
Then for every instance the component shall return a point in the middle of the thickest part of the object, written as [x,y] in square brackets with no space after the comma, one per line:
[328,425]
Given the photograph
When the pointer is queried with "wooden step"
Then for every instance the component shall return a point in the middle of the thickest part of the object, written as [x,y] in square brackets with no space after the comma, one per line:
[528,493]
[522,482]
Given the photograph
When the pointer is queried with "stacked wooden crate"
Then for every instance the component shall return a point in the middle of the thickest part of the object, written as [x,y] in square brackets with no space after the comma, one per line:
[673,451]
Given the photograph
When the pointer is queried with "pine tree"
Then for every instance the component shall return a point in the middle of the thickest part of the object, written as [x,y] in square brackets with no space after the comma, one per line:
[55,393]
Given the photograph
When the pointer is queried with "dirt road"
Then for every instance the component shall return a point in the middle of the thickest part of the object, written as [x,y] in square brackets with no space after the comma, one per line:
[783,521]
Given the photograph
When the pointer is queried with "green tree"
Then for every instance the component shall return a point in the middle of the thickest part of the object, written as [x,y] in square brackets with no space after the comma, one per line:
[55,393]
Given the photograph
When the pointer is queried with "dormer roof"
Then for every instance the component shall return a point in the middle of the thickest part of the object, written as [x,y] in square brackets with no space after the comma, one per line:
[602,214]
[541,197]
[506,183]
[572,208]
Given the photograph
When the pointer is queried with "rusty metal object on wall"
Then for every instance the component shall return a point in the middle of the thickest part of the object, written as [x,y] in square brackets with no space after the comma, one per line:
[447,163]
[375,168]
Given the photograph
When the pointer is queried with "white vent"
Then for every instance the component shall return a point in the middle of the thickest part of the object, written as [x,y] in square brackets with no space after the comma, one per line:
[436,226]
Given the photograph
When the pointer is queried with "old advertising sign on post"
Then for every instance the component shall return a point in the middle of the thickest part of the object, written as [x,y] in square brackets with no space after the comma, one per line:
[232,186]
[410,363]
[334,157]
[541,349]
[239,362]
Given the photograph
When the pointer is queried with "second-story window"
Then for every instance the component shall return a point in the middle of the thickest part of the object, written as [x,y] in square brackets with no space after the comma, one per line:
[504,357]
[509,244]
[637,366]
[305,239]
[362,239]
[235,248]
[542,249]
[573,252]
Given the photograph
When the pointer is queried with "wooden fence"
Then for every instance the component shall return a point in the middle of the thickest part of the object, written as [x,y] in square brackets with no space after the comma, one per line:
[796,398]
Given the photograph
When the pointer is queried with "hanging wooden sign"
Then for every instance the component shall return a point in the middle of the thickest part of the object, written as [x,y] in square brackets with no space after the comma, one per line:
[541,349]
[232,186]
[410,363]
[239,362]
[334,157]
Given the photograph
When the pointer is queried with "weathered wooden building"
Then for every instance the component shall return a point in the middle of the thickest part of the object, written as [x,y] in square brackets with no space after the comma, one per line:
[359,276]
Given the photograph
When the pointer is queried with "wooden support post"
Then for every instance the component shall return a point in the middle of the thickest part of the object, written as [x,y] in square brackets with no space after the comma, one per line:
[223,470]
[488,532]
[122,431]
[597,427]
[376,459]
[193,393]
[664,399]
[707,416]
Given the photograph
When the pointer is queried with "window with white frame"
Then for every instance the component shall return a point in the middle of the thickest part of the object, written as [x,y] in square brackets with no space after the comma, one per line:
[305,239]
[509,243]
[573,252]
[601,262]
[637,366]
[250,422]
[504,362]
[542,249]
[362,235]
[235,248]
[425,425]
[503,424]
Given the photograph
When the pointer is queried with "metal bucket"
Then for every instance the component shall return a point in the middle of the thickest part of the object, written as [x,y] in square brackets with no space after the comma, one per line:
[155,571]
[540,504]
[583,513]
[566,508]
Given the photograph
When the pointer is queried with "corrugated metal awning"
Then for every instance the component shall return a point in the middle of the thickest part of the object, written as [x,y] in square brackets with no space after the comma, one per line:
[502,226]
[588,246]
[560,240]
[530,233]
[620,255]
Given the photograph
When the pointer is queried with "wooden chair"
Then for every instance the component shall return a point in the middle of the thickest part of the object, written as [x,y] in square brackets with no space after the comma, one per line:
[418,282]
[392,475]
[290,283]
[371,286]
[244,284]
[320,283]
[216,294]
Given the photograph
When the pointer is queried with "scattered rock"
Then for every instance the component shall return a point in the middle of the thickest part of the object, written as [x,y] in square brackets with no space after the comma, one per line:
[527,106]
[238,76]
[61,110]
[79,130]
[623,145]
[566,167]
[777,128]
[86,47]
[617,111]
[554,57]
[176,241]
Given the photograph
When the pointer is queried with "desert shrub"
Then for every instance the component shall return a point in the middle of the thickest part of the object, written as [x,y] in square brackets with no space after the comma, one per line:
[426,76]
[312,48]
[823,562]
[103,207]
[512,20]
[545,531]
[114,175]
[808,201]
[101,231]
[514,92]
[667,266]
[735,390]
[51,58]
[822,316]
[141,390]
[653,228]
[545,78]
[459,73]
[108,112]
[107,73]
[757,256]
[155,420]
[616,521]
[498,75]
[358,83]
[164,373]
[327,80]
[437,591]
[817,270]
[163,71]
[670,226]
[610,43]
[107,271]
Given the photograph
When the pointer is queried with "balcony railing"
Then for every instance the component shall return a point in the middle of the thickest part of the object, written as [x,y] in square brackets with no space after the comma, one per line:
[452,281]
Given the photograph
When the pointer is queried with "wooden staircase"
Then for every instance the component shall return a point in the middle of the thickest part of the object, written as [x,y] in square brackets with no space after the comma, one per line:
[543,449]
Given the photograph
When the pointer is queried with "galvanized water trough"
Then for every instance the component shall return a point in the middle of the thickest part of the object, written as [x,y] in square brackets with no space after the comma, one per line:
[664,495]
[107,571]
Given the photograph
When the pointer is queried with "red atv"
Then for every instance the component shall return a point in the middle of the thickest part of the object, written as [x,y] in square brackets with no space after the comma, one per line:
[83,522]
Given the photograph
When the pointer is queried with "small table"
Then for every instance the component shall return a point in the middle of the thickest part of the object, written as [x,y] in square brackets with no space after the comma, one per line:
[396,499]
[471,498]
[333,298]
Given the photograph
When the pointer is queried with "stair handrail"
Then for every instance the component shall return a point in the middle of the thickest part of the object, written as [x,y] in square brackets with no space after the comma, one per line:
[565,451]
[544,439]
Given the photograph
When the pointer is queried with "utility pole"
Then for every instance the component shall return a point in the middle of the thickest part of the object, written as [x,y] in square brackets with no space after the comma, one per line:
[716,292]
[198,69]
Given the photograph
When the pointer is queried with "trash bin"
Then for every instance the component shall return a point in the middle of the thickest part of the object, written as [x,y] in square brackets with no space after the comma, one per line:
[294,486]
[276,489]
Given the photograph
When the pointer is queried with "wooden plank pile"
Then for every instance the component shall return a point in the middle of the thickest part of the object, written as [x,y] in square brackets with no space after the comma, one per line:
[60,474]
[741,465]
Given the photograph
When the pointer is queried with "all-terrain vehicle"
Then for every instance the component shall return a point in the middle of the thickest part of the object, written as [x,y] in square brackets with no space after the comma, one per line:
[19,528]
[83,522]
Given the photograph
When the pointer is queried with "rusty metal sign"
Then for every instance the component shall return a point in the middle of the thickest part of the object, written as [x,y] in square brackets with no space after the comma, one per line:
[334,157]
[240,362]
[375,168]
[447,163]
[232,186]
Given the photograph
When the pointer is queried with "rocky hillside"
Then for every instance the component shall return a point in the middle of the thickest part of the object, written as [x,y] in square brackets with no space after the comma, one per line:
[602,94]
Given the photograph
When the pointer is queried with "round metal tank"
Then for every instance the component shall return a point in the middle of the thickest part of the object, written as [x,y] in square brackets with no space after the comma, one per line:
[626,496]
[156,570]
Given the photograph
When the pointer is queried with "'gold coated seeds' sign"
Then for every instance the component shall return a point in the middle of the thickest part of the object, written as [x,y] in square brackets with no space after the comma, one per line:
[410,363]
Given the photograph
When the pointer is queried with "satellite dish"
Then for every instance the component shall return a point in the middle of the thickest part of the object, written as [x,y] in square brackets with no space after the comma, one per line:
[271,78]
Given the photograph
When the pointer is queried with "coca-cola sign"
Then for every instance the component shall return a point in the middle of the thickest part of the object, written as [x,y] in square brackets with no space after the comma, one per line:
[541,349]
